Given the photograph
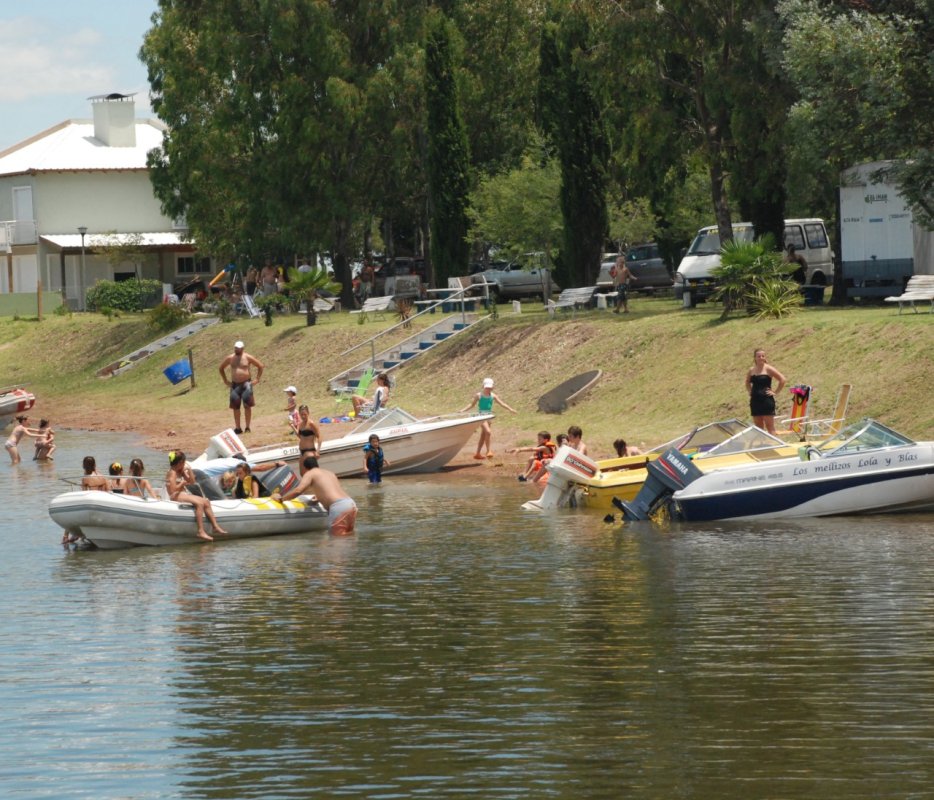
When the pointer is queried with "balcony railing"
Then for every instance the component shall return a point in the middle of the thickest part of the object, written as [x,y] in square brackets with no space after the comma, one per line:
[18,231]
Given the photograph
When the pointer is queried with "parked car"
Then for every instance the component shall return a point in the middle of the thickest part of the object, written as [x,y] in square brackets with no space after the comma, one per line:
[648,268]
[524,277]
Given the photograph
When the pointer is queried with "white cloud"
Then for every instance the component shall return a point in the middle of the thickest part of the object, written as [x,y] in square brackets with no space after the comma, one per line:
[38,58]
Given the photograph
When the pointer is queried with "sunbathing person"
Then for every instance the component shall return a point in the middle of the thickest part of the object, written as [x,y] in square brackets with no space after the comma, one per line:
[137,485]
[92,478]
[177,480]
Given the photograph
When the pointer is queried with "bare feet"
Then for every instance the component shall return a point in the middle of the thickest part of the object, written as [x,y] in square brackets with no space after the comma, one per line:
[204,535]
[219,531]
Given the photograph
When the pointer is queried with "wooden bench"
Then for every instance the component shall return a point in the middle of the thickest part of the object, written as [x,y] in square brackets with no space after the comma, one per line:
[572,299]
[377,306]
[920,288]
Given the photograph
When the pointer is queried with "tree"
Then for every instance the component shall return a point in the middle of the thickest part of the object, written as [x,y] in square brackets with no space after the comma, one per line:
[571,121]
[447,162]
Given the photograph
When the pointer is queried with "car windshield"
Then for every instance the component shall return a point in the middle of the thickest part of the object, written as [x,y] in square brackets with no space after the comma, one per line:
[707,243]
[860,436]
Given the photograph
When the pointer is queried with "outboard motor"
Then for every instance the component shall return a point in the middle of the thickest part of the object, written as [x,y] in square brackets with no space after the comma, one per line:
[277,479]
[671,471]
[210,488]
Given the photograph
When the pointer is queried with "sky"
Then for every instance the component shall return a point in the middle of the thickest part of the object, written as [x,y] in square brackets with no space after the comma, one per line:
[55,54]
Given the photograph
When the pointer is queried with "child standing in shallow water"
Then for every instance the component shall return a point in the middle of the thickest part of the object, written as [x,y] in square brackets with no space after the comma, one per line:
[484,400]
[374,460]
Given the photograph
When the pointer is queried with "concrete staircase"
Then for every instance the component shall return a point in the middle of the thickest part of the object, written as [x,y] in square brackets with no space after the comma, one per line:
[132,359]
[393,358]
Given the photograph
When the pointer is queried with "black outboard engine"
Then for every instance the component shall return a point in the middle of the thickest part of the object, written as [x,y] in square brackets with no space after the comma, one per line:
[277,479]
[669,472]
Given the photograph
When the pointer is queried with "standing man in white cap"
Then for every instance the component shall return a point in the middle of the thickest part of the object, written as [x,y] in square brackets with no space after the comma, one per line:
[484,400]
[241,383]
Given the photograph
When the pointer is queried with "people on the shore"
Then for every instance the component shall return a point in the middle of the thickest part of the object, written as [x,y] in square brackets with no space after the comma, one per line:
[621,277]
[45,442]
[623,450]
[117,481]
[484,401]
[374,459]
[575,439]
[241,383]
[542,452]
[309,434]
[92,479]
[19,431]
[291,406]
[269,278]
[761,394]
[379,400]
[325,485]
[136,484]
[177,480]
[799,263]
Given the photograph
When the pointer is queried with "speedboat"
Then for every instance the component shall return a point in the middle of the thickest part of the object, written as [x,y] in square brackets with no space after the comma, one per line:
[865,468]
[115,521]
[410,444]
[14,400]
[578,481]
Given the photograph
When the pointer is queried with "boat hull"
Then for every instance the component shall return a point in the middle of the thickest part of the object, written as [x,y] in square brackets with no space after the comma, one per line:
[890,481]
[411,447]
[112,521]
[14,402]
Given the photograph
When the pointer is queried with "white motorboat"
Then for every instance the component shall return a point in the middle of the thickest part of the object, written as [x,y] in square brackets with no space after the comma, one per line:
[866,468]
[14,400]
[410,444]
[115,521]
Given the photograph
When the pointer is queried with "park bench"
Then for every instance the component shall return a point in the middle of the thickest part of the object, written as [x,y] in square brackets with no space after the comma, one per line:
[571,299]
[377,306]
[919,288]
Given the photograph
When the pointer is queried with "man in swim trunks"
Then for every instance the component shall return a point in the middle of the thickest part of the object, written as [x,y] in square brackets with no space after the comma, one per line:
[241,383]
[342,510]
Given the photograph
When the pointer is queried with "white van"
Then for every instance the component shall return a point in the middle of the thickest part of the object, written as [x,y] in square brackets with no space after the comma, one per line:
[809,236]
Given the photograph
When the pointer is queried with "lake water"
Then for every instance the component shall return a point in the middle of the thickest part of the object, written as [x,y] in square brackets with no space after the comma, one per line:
[460,647]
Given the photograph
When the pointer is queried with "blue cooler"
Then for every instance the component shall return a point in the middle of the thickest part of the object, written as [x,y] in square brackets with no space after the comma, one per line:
[178,371]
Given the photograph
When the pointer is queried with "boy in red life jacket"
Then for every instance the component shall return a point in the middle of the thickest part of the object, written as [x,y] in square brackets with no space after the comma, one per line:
[542,453]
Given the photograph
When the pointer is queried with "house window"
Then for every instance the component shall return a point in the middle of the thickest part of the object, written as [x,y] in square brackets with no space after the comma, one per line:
[192,265]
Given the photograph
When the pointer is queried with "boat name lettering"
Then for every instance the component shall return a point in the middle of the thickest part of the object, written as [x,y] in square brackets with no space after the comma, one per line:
[907,456]
[830,467]
[582,466]
[868,462]
[799,471]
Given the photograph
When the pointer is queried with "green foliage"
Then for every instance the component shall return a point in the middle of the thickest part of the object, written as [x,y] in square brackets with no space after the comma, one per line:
[167,317]
[62,311]
[129,295]
[448,162]
[752,275]
[632,222]
[518,211]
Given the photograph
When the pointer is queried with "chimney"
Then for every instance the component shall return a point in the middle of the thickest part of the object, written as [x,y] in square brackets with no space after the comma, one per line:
[115,119]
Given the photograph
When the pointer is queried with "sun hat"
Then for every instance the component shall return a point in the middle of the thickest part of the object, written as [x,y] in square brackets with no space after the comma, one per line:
[238,345]
[487,383]
[291,389]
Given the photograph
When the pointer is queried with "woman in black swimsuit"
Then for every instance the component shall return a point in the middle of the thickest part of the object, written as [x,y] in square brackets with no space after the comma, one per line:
[761,395]
[309,437]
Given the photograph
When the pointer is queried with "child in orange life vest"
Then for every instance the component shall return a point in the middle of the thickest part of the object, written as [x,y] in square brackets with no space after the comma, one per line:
[542,475]
[542,453]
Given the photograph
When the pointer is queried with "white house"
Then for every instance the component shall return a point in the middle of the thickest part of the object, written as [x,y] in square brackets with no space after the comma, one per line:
[87,176]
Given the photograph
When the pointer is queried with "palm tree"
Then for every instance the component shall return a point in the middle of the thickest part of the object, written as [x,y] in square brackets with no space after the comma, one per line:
[305,285]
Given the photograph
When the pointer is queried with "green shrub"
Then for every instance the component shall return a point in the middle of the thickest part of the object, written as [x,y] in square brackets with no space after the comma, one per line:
[124,295]
[167,316]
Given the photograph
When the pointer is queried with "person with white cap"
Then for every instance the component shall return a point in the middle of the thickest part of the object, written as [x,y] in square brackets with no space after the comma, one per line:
[484,400]
[241,383]
[291,406]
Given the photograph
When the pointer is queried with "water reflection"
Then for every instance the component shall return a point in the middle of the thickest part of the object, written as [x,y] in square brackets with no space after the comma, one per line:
[460,646]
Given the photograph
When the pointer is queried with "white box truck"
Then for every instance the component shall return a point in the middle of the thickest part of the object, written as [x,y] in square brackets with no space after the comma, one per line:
[876,234]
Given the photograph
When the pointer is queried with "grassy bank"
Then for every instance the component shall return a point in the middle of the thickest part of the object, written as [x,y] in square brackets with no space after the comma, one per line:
[664,369]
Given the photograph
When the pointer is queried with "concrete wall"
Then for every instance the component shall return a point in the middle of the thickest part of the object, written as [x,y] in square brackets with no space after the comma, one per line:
[25,304]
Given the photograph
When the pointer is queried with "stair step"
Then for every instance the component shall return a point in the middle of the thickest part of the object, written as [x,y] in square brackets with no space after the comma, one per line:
[426,345]
[407,354]
[442,335]
[389,364]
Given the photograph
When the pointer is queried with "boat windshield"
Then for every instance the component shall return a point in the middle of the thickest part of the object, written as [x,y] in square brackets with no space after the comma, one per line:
[751,439]
[865,435]
[386,418]
[703,437]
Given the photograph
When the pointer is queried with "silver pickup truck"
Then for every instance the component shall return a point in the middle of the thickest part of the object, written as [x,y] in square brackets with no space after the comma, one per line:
[511,282]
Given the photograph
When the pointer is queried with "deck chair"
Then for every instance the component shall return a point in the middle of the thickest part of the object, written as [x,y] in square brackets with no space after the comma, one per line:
[343,396]
[250,307]
[831,425]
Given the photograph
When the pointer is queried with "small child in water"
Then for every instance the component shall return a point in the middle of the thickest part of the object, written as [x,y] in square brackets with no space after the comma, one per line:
[374,460]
